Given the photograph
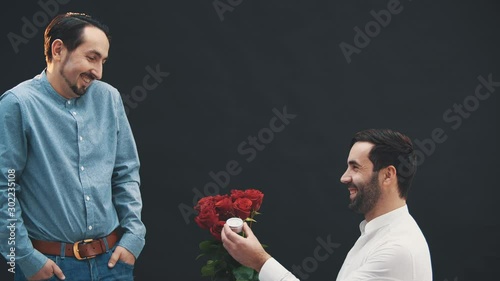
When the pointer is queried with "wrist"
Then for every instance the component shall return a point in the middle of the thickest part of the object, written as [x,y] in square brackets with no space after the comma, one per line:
[263,259]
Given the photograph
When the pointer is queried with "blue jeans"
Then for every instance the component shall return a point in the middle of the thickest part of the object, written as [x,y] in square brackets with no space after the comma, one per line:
[95,269]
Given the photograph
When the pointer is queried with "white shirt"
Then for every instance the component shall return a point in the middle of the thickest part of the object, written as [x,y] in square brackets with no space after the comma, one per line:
[391,247]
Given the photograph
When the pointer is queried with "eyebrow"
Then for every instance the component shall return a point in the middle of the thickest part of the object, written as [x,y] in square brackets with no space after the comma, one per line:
[96,53]
[353,163]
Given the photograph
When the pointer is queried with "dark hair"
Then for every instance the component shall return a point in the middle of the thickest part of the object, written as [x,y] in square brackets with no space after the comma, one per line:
[69,28]
[391,148]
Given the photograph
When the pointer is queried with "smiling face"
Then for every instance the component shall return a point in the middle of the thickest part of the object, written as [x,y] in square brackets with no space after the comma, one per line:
[360,179]
[77,69]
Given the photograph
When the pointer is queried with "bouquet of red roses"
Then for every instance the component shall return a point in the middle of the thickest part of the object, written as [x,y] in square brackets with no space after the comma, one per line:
[213,211]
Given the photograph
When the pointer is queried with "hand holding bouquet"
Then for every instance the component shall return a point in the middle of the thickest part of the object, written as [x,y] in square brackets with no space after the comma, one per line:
[213,212]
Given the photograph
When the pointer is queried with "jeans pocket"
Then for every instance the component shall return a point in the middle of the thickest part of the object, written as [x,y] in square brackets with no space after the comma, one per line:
[122,263]
[121,271]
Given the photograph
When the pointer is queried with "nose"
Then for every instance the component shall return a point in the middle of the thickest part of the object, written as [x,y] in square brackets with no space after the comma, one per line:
[97,71]
[345,178]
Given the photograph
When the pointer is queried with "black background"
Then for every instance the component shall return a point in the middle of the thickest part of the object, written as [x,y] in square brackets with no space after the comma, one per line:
[227,76]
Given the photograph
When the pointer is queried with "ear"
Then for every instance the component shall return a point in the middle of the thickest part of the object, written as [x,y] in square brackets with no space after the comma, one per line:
[58,49]
[389,175]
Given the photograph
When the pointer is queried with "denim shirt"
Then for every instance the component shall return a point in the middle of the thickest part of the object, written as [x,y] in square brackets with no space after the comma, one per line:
[69,170]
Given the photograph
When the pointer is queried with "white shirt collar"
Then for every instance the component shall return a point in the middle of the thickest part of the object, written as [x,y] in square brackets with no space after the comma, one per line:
[380,221]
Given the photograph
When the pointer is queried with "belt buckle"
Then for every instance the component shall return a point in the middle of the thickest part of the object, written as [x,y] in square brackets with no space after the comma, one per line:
[76,251]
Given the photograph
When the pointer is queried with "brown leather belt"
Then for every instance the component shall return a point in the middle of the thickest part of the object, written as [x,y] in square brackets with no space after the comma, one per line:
[84,249]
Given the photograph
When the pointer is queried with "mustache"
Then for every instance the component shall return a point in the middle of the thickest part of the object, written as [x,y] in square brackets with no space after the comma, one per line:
[92,76]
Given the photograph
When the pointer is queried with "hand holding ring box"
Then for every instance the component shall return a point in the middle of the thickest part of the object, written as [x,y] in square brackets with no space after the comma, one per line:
[236,224]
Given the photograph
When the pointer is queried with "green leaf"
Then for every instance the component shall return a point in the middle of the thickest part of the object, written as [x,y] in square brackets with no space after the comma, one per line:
[222,265]
[214,268]
[250,220]
[243,273]
[208,269]
[210,247]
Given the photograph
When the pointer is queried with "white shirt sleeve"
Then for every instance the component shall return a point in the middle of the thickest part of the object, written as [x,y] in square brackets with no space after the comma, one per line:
[272,270]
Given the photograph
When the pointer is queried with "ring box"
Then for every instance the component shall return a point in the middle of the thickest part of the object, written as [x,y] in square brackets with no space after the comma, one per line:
[236,224]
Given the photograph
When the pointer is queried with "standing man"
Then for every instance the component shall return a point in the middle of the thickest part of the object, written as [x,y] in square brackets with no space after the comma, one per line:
[70,204]
[380,169]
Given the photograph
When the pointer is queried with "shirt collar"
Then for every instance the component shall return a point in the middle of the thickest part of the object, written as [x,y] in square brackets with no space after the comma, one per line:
[52,92]
[383,220]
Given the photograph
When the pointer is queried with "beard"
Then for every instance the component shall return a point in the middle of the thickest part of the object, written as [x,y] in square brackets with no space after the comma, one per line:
[79,91]
[366,197]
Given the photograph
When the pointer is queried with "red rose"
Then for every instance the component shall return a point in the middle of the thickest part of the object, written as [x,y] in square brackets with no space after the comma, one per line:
[206,219]
[224,208]
[207,214]
[216,229]
[236,193]
[219,197]
[213,212]
[205,202]
[242,207]
[256,196]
